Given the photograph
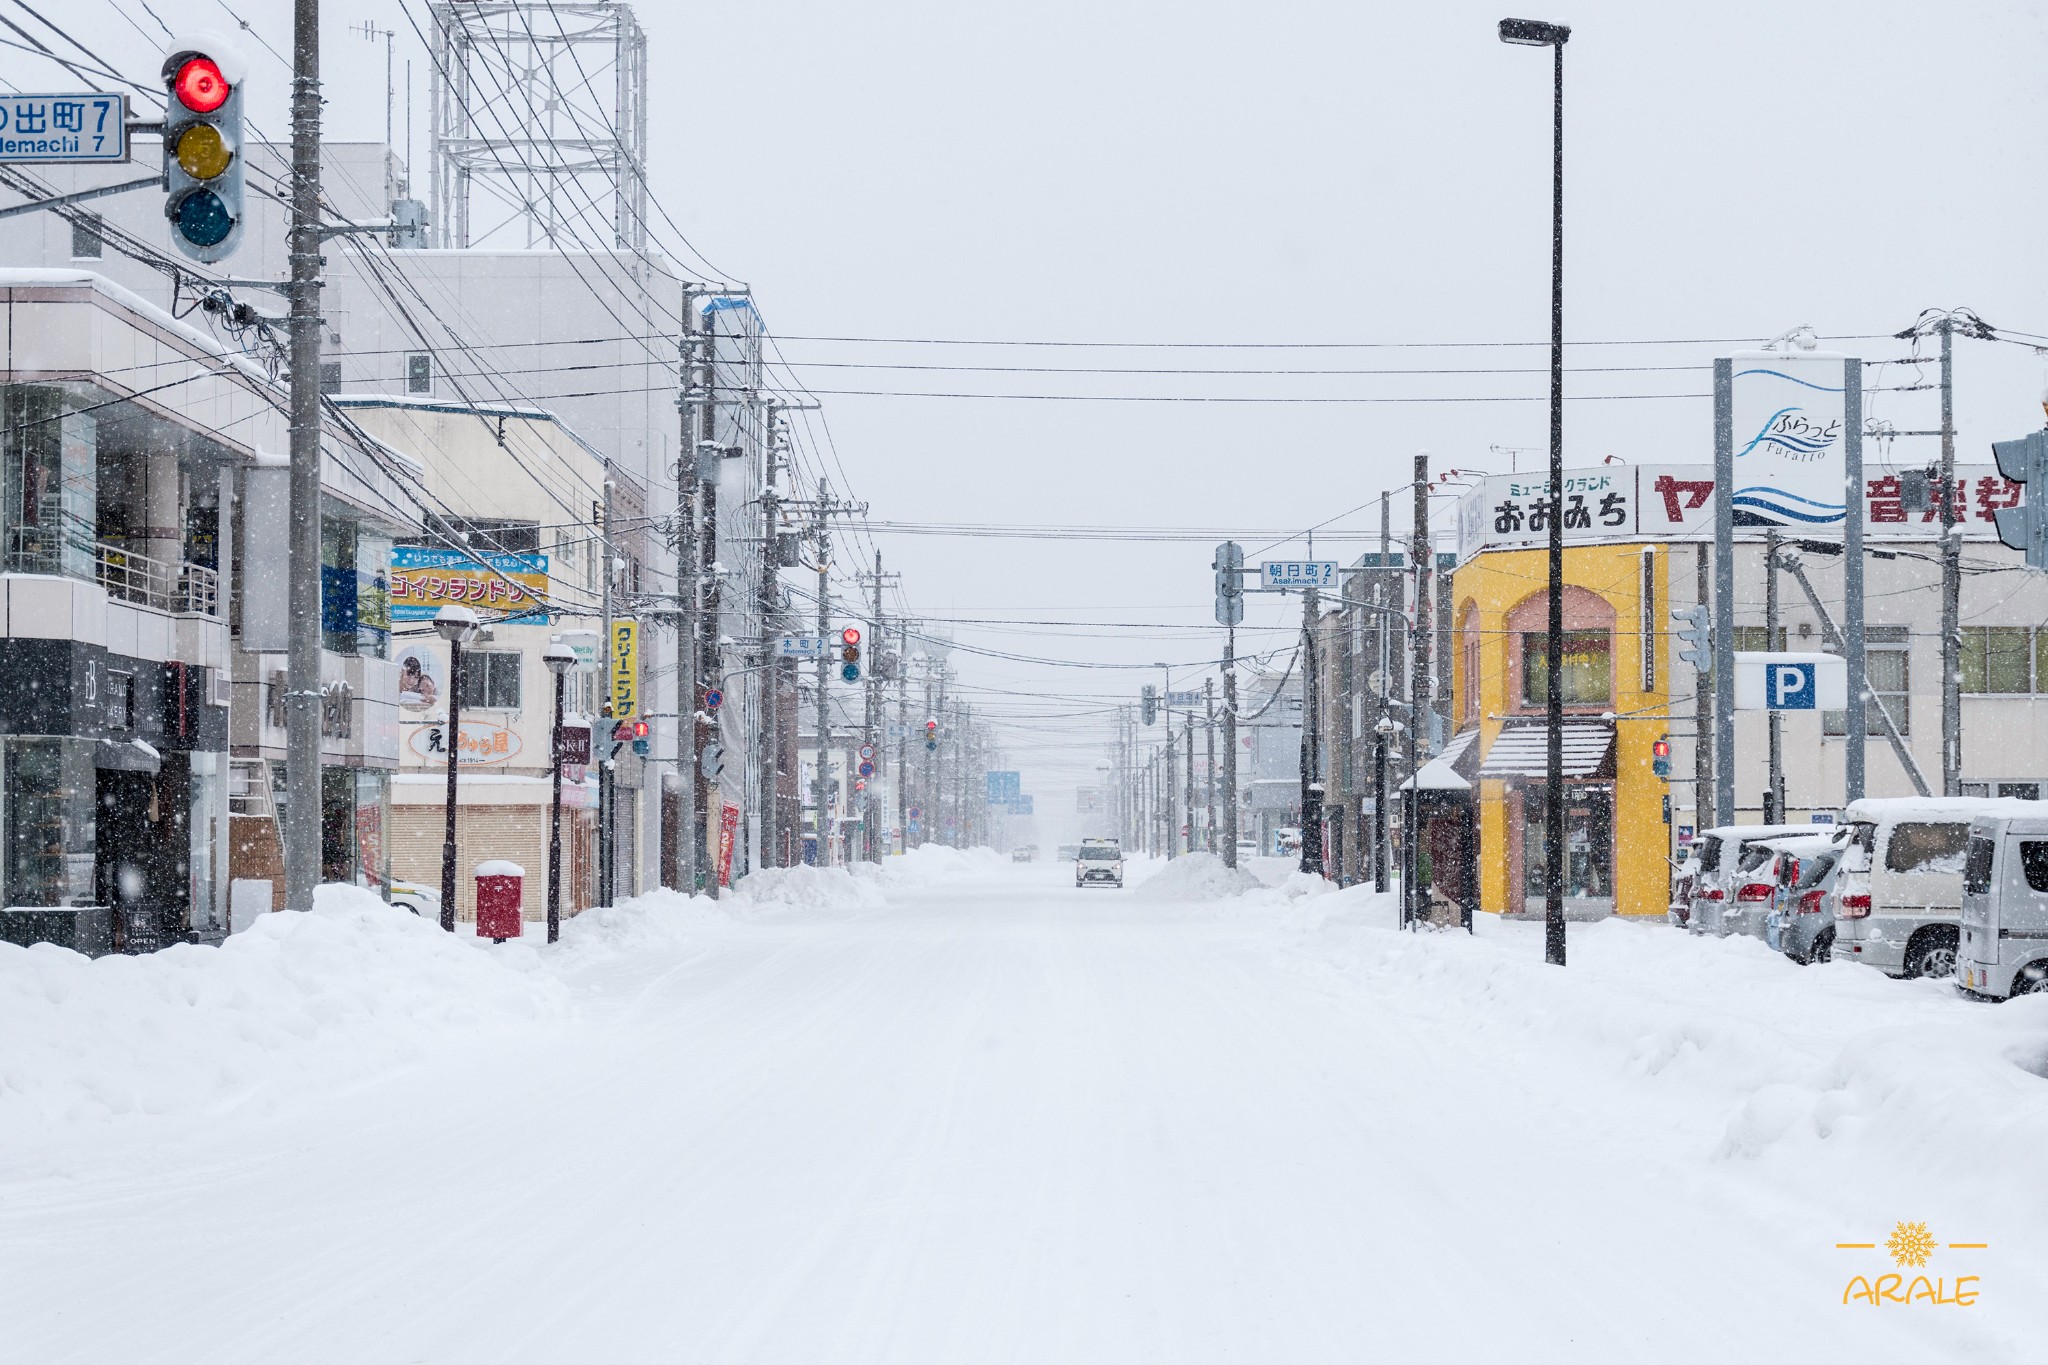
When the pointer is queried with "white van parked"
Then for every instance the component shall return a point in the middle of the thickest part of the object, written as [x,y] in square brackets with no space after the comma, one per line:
[2005,906]
[1899,894]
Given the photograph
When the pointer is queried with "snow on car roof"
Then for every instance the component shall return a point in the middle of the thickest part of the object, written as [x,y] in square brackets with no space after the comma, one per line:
[1938,808]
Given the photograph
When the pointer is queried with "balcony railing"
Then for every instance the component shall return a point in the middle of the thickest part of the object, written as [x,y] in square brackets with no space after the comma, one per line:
[183,589]
[179,588]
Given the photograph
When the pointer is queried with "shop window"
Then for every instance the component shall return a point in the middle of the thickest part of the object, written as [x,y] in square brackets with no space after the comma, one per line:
[47,847]
[1996,659]
[1757,639]
[1886,665]
[490,679]
[1588,668]
[49,469]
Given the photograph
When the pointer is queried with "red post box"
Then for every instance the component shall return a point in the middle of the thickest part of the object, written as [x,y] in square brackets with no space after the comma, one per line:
[500,886]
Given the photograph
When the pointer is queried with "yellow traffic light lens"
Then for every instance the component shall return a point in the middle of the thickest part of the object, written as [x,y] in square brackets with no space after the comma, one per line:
[201,152]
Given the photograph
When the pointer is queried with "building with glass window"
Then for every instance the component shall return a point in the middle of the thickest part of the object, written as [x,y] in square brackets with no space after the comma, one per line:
[1638,543]
[142,586]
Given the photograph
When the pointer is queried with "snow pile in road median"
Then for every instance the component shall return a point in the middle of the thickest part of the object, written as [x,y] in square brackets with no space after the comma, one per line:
[802,892]
[1196,877]
[931,864]
[297,1003]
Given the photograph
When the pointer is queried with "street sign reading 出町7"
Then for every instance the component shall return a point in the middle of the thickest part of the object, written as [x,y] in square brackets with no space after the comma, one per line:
[90,126]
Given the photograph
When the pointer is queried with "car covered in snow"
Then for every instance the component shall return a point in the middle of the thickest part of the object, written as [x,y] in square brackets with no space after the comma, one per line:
[2004,948]
[1099,862]
[1801,922]
[1684,870]
[1726,854]
[1900,890]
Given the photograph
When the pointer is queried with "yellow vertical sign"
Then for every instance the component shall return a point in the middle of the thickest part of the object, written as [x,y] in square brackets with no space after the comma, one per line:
[625,648]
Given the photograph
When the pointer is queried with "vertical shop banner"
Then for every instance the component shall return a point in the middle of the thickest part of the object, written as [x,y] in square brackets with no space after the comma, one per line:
[728,826]
[625,666]
[1788,425]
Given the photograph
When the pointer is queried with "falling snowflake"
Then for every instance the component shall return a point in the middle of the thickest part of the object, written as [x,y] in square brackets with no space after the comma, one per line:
[1910,1244]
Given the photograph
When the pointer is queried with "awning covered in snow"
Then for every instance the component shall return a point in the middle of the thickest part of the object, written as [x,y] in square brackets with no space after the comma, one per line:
[1449,770]
[1521,751]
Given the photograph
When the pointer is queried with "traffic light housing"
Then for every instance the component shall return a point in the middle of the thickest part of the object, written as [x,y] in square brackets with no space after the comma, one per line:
[2025,527]
[1148,704]
[1697,633]
[849,654]
[931,736]
[1228,563]
[640,737]
[1660,757]
[203,151]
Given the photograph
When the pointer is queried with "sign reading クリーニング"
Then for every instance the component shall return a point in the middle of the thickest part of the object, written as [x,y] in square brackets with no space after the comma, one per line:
[424,580]
[625,657]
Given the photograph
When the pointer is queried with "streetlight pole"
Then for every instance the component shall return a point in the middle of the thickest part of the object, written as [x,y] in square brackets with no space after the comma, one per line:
[456,625]
[1536,33]
[560,659]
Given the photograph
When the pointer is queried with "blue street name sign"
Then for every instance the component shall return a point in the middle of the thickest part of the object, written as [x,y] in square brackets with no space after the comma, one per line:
[1299,573]
[46,128]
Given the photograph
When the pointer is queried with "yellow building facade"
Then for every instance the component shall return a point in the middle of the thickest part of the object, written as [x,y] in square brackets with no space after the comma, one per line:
[1616,693]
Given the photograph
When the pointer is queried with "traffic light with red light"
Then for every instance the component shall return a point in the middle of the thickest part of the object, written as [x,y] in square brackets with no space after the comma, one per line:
[849,654]
[1660,757]
[931,736]
[203,152]
[640,737]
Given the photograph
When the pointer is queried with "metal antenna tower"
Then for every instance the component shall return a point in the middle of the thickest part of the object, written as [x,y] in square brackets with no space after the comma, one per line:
[539,123]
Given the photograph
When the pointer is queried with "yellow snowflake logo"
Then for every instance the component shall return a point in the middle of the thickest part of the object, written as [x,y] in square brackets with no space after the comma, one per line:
[1910,1244]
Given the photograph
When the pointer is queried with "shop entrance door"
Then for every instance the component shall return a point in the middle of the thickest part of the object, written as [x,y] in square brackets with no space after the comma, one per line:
[138,865]
[1588,851]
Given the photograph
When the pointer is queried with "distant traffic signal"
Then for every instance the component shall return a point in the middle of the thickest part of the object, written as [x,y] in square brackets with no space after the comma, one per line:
[1698,635]
[1148,704]
[203,152]
[1660,757]
[640,740]
[2025,527]
[1228,563]
[931,735]
[849,653]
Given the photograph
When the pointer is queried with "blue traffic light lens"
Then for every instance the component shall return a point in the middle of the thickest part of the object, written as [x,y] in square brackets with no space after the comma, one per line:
[851,673]
[203,219]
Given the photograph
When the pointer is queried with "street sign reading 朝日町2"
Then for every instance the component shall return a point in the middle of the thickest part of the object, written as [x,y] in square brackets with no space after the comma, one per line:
[90,126]
[1298,573]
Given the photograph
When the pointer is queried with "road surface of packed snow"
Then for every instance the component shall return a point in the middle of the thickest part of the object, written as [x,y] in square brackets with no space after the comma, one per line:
[957,1110]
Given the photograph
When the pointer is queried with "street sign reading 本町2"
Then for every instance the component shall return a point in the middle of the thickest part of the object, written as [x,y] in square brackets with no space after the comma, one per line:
[91,126]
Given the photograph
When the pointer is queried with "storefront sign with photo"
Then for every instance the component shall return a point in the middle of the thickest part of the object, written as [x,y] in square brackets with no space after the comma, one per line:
[424,580]
[422,677]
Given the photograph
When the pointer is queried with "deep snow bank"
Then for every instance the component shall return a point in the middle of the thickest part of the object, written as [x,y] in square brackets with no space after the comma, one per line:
[1195,877]
[298,1002]
[803,892]
[932,864]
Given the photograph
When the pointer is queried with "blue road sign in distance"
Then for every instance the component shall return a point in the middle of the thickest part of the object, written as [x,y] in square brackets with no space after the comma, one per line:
[1299,573]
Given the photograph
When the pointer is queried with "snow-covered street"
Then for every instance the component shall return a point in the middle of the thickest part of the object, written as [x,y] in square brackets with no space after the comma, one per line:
[960,1111]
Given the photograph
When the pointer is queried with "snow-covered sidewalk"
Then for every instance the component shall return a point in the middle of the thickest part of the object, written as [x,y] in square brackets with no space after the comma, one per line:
[954,1109]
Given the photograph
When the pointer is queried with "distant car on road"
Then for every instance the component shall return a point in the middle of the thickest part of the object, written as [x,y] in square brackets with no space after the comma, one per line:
[1099,862]
[1024,854]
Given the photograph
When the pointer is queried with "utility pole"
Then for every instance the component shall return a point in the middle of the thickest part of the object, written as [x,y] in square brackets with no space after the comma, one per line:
[1775,779]
[1951,579]
[768,755]
[871,819]
[696,410]
[1166,785]
[1415,896]
[1311,734]
[1230,746]
[1703,715]
[302,660]
[1188,801]
[903,733]
[1209,787]
[606,881]
[821,773]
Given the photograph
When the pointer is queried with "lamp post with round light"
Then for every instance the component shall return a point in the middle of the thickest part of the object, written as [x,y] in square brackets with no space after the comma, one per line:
[560,659]
[1536,33]
[458,626]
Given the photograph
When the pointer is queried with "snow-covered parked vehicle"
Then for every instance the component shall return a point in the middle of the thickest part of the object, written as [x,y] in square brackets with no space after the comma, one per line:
[1801,924]
[1099,862]
[2004,949]
[1726,854]
[1899,895]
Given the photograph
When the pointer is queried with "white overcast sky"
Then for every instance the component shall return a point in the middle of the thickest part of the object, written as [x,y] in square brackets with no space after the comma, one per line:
[1288,172]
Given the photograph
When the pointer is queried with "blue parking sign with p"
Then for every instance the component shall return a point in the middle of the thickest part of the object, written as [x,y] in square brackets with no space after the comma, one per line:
[1790,687]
